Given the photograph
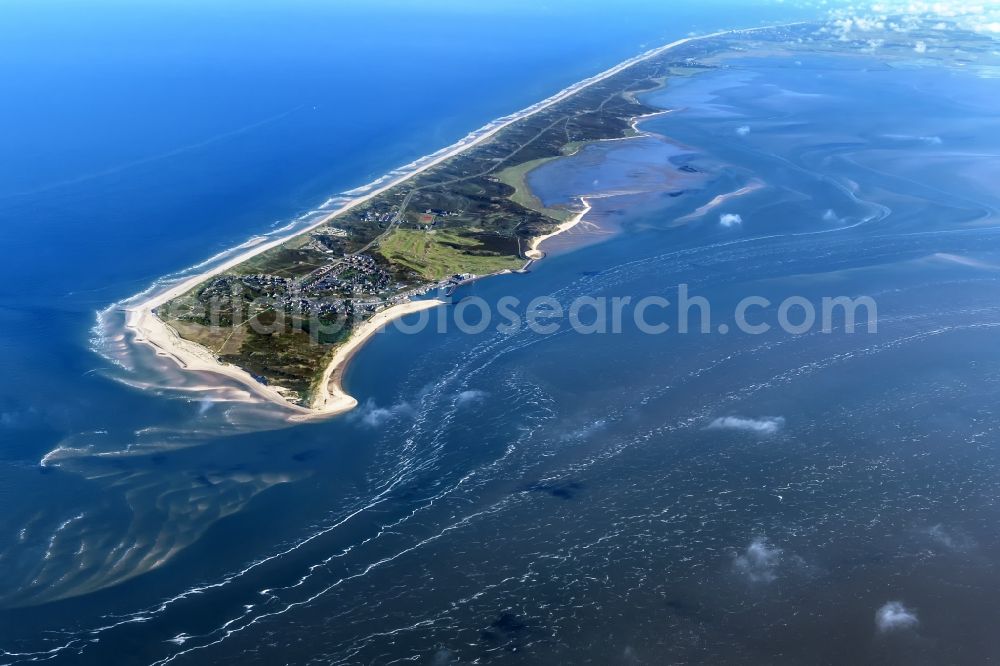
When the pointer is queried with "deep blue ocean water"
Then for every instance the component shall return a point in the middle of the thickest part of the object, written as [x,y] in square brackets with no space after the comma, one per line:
[493,496]
[141,140]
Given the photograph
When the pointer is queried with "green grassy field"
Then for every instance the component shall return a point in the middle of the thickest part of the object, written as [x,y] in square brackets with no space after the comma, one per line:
[438,254]
[516,175]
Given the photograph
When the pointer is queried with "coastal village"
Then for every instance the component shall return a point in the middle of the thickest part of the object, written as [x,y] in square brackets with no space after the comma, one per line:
[281,314]
[355,286]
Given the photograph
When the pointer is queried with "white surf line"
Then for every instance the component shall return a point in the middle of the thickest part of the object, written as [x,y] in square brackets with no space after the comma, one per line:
[472,140]
[147,327]
[84,637]
[145,616]
[230,627]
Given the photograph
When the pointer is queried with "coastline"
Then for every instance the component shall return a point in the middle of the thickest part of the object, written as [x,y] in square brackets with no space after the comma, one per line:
[148,328]
[535,254]
[331,399]
[473,140]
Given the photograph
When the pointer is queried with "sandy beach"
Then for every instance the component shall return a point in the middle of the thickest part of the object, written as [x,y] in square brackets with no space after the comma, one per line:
[151,330]
[147,328]
[473,140]
[534,253]
[331,398]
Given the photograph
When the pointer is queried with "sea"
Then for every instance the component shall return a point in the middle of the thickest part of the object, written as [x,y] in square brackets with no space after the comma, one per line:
[717,496]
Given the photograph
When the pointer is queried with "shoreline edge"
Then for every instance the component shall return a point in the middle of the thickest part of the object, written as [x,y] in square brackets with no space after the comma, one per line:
[147,328]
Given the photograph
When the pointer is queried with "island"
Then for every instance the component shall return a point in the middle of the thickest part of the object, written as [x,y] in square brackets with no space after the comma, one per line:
[285,317]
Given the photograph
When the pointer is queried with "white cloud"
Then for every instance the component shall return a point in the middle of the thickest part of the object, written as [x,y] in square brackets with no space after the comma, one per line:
[950,539]
[730,220]
[767,425]
[920,47]
[373,416]
[469,397]
[743,130]
[861,20]
[759,561]
[587,430]
[830,216]
[894,616]
[929,140]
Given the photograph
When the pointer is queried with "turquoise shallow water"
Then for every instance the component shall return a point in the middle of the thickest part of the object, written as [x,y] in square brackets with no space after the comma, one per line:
[539,498]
